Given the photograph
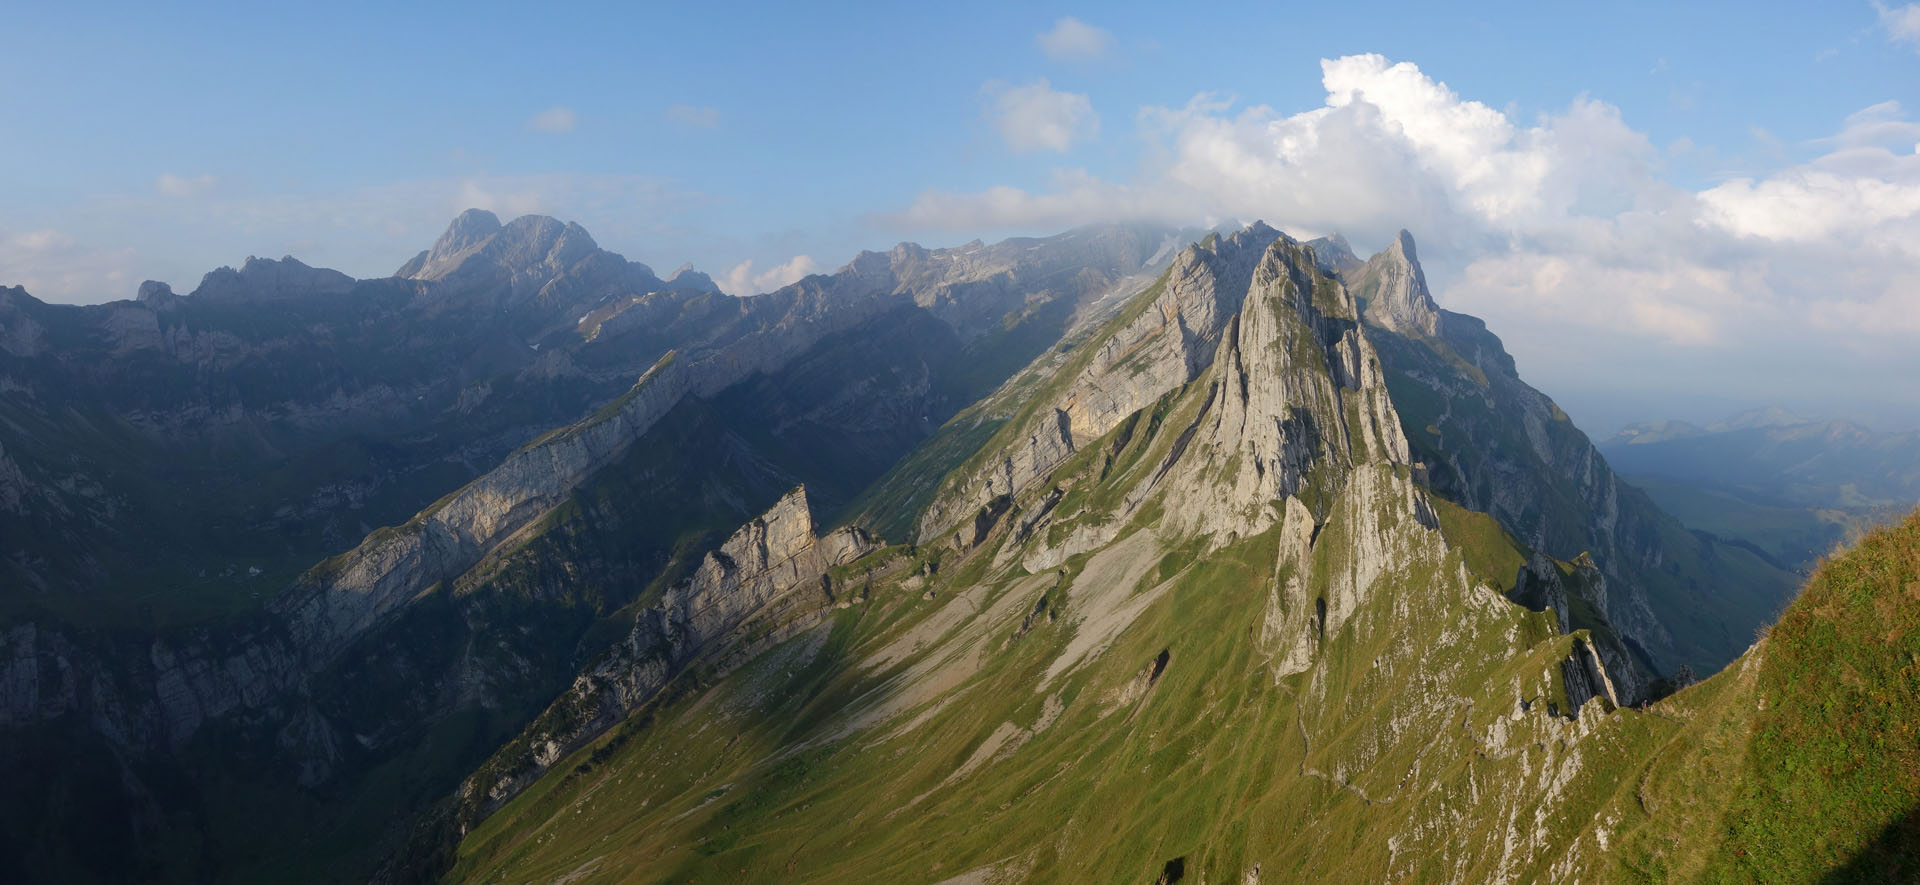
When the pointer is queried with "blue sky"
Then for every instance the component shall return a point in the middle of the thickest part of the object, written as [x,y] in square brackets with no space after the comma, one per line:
[1617,177]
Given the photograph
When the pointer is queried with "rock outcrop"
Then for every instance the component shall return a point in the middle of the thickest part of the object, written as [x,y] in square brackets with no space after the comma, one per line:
[1165,342]
[685,277]
[1394,290]
[341,598]
[1299,387]
[773,572]
[148,696]
[263,279]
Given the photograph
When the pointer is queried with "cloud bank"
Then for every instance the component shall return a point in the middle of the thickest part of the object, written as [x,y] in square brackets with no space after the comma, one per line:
[1036,117]
[1902,23]
[1562,231]
[741,280]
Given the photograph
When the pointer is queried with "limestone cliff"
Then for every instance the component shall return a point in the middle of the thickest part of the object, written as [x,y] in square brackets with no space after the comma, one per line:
[1160,343]
[1394,289]
[773,572]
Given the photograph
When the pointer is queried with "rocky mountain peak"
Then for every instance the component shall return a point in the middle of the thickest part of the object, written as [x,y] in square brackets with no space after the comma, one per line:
[1334,254]
[1402,245]
[685,277]
[157,296]
[478,233]
[154,290]
[1394,290]
[1229,261]
[533,255]
[537,237]
[264,279]
[1259,231]
[470,226]
[19,334]
[469,230]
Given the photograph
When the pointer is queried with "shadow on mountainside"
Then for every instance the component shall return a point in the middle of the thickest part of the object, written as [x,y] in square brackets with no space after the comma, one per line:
[1894,856]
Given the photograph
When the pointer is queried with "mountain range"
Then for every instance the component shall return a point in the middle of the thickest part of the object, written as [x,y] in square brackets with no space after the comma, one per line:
[1123,553]
[1791,487]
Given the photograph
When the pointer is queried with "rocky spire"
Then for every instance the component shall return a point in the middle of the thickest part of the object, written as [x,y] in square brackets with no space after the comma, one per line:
[1394,289]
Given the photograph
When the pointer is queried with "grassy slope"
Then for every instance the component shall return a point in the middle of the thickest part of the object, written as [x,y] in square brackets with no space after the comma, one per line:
[1835,755]
[1799,763]
[1710,785]
[1103,795]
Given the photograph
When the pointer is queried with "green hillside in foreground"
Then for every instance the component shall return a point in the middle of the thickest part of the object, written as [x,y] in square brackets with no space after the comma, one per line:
[1799,763]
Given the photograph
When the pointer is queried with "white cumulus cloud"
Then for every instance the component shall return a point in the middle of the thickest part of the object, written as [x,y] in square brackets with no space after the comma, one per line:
[1561,230]
[1902,23]
[1071,39]
[741,280]
[1036,117]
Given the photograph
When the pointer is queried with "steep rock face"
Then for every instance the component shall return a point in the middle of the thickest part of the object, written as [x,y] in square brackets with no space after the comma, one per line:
[976,288]
[1143,355]
[340,599]
[156,695]
[773,570]
[1299,386]
[1301,416]
[20,334]
[1494,444]
[1569,590]
[1394,289]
